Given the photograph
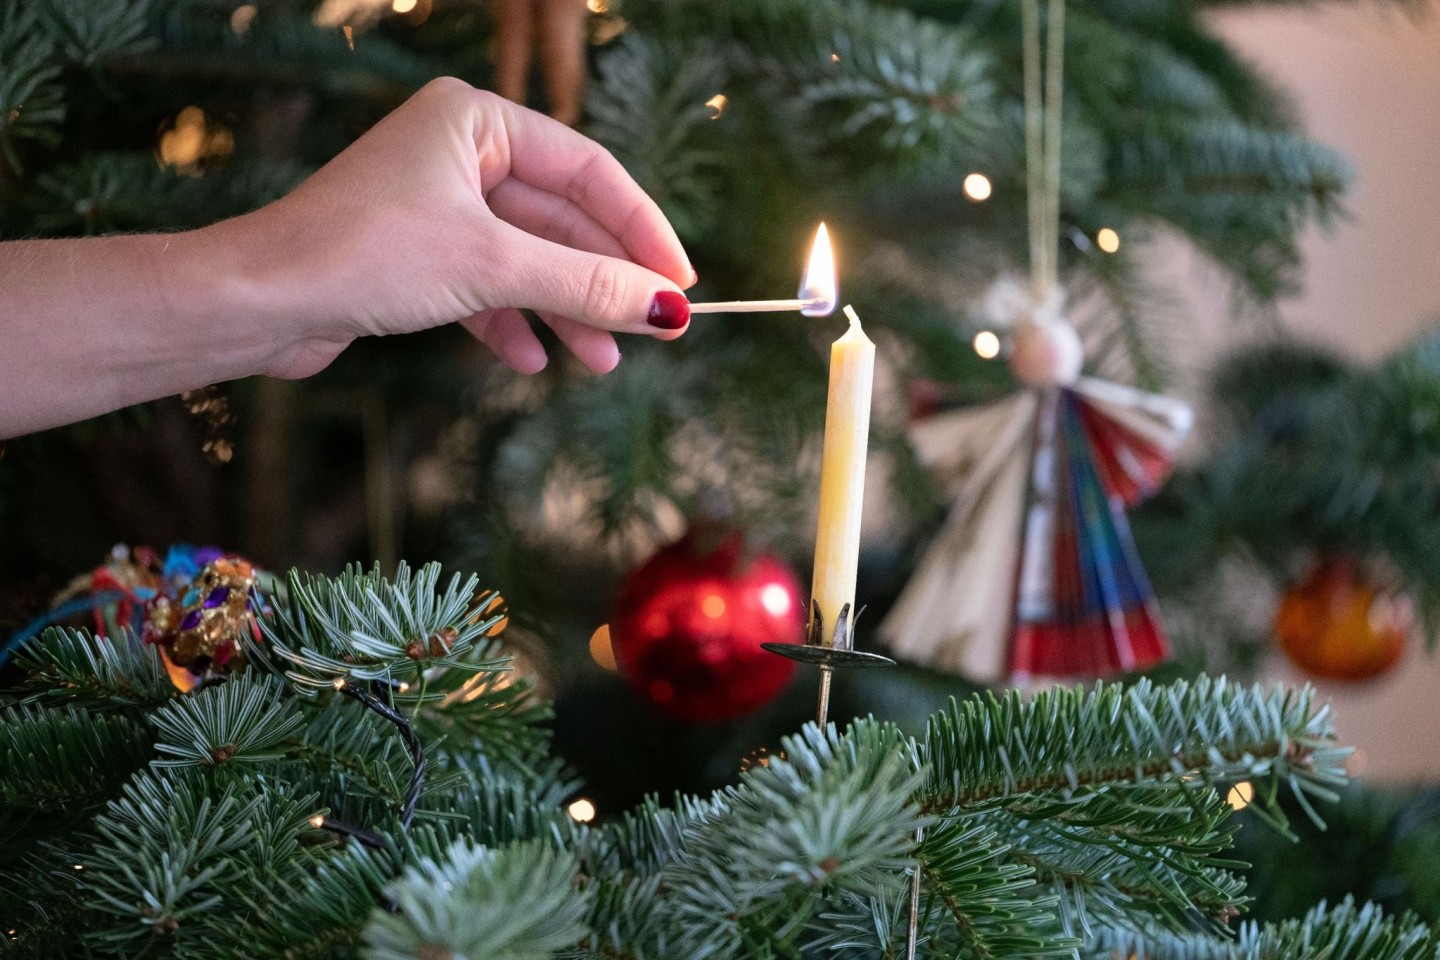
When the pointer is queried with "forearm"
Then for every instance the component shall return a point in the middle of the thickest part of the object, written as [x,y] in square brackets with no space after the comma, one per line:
[92,325]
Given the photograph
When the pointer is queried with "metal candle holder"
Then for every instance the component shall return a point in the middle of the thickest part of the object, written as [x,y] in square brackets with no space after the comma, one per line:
[839,652]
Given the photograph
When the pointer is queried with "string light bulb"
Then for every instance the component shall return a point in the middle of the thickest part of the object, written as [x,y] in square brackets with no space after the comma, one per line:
[242,18]
[1107,240]
[977,187]
[600,650]
[987,345]
[581,811]
[717,105]
[192,139]
[1240,795]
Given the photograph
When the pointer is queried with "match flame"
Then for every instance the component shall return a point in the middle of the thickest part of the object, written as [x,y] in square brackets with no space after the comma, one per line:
[819,282]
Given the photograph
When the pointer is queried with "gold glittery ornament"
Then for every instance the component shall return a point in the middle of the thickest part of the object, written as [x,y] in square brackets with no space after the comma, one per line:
[213,615]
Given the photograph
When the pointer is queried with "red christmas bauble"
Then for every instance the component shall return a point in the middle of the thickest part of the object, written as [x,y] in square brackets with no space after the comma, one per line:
[1340,625]
[689,624]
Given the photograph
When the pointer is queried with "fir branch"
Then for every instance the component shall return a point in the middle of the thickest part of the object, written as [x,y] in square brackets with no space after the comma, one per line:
[861,75]
[362,626]
[69,666]
[1135,323]
[649,108]
[283,46]
[32,102]
[969,869]
[65,759]
[835,816]
[407,736]
[497,810]
[110,191]
[87,32]
[1098,878]
[170,853]
[326,915]
[239,721]
[495,713]
[871,928]
[647,839]
[519,902]
[628,920]
[1227,157]
[1346,931]
[985,751]
[353,760]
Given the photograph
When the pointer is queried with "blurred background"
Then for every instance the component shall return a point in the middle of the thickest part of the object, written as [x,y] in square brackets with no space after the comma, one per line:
[1248,223]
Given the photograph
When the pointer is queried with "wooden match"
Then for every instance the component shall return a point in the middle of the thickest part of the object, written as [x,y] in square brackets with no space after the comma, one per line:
[764,306]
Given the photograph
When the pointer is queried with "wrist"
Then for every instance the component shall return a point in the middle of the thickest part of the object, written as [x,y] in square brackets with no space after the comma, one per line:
[260,322]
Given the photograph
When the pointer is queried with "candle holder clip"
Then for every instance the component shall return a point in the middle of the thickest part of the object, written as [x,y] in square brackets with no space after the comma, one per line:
[839,652]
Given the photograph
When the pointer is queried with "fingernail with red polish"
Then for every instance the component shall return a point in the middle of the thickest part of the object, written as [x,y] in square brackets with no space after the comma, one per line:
[669,310]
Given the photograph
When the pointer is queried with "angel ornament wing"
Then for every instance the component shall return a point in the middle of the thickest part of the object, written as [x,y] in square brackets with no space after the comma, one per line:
[1034,575]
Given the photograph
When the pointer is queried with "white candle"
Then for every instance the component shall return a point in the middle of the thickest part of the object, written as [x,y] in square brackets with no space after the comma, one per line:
[842,474]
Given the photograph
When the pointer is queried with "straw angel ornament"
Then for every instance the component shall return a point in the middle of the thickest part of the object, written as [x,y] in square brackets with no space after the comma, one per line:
[1034,573]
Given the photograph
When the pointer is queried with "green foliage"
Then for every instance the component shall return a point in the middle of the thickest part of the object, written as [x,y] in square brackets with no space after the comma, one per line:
[170,854]
[364,625]
[1347,931]
[836,817]
[31,101]
[65,758]
[1011,746]
[431,643]
[670,156]
[72,666]
[869,115]
[517,903]
[1057,825]
[236,722]
[209,824]
[1380,845]
[169,819]
[1314,457]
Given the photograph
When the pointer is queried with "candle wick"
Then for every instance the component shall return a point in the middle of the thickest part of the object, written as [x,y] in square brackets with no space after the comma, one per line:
[854,317]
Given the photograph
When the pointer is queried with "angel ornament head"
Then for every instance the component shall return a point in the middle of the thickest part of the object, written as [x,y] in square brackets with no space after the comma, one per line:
[1045,349]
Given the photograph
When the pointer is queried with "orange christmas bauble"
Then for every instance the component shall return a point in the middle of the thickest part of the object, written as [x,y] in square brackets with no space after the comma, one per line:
[1338,624]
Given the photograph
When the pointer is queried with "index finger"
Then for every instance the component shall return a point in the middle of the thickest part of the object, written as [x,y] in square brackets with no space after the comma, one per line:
[550,156]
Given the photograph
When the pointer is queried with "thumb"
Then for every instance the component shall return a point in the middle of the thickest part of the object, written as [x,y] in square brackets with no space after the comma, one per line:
[608,293]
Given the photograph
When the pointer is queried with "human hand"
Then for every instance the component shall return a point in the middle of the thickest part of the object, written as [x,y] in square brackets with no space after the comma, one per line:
[461,206]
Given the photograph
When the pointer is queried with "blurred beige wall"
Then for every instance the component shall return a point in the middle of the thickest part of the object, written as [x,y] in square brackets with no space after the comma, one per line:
[1367,80]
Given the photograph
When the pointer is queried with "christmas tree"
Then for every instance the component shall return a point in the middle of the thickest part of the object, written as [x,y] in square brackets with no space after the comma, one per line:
[365,777]
[373,781]
[749,123]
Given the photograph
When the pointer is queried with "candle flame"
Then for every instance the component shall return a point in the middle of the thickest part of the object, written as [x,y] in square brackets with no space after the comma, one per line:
[819,282]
